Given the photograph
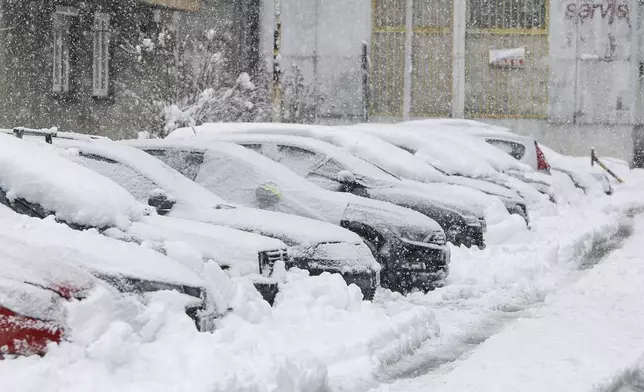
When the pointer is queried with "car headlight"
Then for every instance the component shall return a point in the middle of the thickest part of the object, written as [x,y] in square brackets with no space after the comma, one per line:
[483,223]
[414,236]
[471,220]
[268,258]
[438,237]
[417,266]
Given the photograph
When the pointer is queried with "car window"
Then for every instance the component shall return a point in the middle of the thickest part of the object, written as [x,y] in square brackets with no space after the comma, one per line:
[330,169]
[298,160]
[185,162]
[237,178]
[516,150]
[136,184]
[255,147]
[23,207]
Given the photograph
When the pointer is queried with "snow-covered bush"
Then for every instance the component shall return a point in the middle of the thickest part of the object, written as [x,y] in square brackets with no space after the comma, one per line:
[301,101]
[192,82]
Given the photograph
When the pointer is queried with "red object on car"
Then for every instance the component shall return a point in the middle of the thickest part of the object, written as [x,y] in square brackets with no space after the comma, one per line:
[22,335]
[542,162]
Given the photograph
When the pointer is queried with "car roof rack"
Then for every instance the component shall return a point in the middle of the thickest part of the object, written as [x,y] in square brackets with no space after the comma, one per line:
[50,133]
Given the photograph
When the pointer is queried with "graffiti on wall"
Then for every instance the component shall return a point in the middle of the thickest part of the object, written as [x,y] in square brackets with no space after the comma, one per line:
[609,10]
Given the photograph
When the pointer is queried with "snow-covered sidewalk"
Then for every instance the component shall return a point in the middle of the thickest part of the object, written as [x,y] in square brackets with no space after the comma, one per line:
[581,336]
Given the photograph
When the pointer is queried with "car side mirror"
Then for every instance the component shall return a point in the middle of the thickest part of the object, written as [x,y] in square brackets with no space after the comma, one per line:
[345,177]
[161,202]
[268,195]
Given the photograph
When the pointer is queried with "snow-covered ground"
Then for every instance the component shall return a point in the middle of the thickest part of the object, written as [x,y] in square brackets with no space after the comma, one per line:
[548,311]
[555,321]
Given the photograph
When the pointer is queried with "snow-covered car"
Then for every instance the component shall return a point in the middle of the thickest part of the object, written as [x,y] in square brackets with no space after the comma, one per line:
[36,180]
[458,168]
[529,183]
[522,148]
[370,148]
[44,263]
[335,169]
[410,246]
[583,175]
[313,245]
[539,157]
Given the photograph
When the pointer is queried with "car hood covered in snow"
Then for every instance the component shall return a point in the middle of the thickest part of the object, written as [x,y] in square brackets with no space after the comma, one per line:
[235,250]
[446,158]
[91,251]
[463,169]
[76,194]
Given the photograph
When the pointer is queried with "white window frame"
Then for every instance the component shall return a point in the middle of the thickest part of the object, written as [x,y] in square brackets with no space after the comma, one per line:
[61,20]
[101,55]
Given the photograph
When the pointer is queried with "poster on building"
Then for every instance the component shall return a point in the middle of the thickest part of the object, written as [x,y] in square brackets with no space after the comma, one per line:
[507,58]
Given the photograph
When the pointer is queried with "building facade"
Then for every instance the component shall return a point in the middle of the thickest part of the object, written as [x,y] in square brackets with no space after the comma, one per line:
[95,66]
[565,71]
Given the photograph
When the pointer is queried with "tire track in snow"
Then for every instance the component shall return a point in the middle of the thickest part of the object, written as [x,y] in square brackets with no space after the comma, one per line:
[438,356]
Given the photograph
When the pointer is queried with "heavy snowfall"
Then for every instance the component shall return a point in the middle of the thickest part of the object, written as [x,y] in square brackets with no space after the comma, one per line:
[321,196]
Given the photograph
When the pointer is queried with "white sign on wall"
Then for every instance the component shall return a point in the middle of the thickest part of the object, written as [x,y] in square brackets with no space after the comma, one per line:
[508,58]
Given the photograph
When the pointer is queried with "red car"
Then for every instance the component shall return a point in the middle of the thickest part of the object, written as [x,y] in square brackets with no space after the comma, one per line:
[44,264]
[32,293]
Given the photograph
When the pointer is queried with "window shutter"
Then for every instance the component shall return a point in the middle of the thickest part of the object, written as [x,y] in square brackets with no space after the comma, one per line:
[101,71]
[61,54]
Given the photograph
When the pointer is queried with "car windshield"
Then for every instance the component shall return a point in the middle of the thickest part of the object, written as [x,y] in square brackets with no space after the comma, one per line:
[136,184]
[332,167]
[363,168]
[238,174]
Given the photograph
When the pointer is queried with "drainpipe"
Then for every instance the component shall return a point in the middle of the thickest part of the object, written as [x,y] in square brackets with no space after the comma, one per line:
[277,70]
[458,58]
[637,64]
[409,32]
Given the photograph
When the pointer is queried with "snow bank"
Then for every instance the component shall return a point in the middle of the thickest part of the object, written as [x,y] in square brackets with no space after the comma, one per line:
[318,334]
[74,193]
[127,346]
[324,318]
[488,290]
[583,335]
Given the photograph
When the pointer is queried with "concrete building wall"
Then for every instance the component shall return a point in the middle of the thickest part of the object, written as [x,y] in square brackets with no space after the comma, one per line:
[588,81]
[26,64]
[323,38]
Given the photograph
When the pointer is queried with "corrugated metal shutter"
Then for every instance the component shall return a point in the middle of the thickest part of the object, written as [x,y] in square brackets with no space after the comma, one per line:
[431,79]
[507,92]
[388,57]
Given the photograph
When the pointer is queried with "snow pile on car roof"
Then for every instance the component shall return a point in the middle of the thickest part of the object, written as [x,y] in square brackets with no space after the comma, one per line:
[363,145]
[152,168]
[75,194]
[467,145]
[447,157]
